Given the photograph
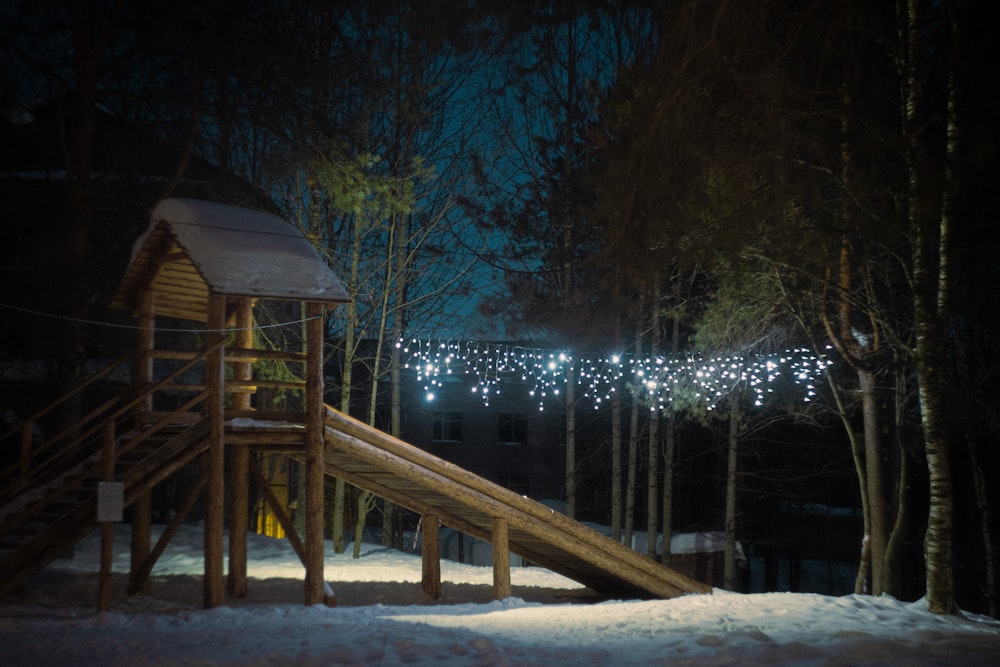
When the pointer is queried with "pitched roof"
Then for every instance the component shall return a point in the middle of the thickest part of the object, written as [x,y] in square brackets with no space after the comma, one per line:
[195,248]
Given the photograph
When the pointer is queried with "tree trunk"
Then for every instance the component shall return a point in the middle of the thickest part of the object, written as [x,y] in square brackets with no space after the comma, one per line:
[729,569]
[985,523]
[616,464]
[633,456]
[931,266]
[878,535]
[668,457]
[339,511]
[570,441]
[347,374]
[892,573]
[653,446]
[652,486]
[668,484]
[366,503]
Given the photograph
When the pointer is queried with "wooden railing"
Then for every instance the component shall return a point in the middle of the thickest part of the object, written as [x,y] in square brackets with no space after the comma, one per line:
[75,442]
[81,440]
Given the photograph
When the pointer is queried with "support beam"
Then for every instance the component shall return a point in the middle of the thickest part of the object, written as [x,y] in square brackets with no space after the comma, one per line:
[214,583]
[315,326]
[141,574]
[430,550]
[279,512]
[107,527]
[501,560]
[142,508]
[239,512]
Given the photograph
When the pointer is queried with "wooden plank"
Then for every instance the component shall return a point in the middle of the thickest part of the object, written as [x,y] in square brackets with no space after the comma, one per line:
[107,527]
[501,560]
[178,418]
[214,584]
[275,384]
[253,355]
[240,495]
[142,509]
[430,552]
[185,312]
[315,582]
[288,416]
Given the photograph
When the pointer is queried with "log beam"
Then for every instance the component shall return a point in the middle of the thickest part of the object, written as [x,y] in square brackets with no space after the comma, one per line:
[214,583]
[239,513]
[430,551]
[142,509]
[315,584]
[501,559]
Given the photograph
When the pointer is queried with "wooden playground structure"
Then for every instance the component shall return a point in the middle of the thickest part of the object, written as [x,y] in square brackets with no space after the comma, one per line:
[208,263]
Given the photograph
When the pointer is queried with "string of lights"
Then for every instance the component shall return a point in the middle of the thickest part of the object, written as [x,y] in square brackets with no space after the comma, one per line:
[659,380]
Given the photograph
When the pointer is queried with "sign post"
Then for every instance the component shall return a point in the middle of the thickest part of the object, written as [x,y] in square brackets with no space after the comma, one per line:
[110,505]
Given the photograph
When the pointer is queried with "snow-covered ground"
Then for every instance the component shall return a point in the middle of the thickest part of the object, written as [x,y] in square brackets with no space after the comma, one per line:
[384,619]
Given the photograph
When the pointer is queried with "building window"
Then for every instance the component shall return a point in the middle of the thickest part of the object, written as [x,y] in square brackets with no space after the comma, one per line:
[448,427]
[512,429]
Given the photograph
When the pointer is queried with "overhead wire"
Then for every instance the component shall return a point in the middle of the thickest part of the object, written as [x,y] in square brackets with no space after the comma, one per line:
[115,325]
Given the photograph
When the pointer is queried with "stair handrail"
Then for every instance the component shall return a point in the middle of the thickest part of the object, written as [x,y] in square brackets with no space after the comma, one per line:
[24,465]
[68,395]
[25,426]
[91,462]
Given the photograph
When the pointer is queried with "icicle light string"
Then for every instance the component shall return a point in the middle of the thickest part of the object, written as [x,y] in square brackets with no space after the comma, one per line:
[659,379]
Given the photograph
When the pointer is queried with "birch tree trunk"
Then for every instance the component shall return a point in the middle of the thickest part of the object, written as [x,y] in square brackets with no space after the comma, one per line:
[931,267]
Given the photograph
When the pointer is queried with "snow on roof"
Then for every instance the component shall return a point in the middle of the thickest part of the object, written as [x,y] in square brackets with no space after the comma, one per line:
[243,252]
[248,253]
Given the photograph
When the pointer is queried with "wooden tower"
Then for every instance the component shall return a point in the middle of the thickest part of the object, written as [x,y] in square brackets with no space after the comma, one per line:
[209,263]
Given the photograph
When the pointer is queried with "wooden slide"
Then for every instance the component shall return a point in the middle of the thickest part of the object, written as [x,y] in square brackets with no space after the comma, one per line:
[403,474]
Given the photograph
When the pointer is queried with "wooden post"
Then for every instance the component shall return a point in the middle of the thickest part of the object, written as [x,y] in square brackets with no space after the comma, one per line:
[145,343]
[142,508]
[214,584]
[315,583]
[430,550]
[107,527]
[501,560]
[240,508]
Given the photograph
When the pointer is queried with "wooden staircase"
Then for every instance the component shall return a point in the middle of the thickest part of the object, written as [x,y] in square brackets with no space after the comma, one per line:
[48,497]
